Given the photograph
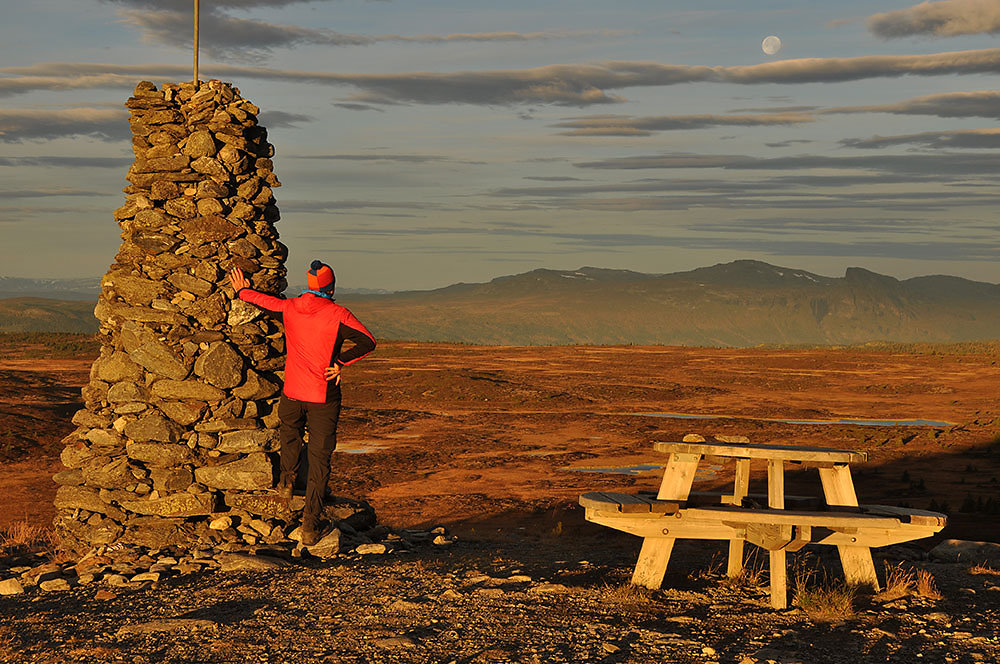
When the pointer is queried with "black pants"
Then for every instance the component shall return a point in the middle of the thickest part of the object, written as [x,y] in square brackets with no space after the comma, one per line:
[321,419]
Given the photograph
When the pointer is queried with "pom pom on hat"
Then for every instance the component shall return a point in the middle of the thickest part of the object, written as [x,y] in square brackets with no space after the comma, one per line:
[320,277]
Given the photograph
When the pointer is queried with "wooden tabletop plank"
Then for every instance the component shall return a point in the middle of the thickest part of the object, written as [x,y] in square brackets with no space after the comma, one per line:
[748,451]
[908,515]
[627,503]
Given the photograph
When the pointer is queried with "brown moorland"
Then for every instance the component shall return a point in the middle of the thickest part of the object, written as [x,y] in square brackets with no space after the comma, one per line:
[496,443]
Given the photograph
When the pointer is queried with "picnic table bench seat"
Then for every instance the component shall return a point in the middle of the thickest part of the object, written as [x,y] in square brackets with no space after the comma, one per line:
[866,525]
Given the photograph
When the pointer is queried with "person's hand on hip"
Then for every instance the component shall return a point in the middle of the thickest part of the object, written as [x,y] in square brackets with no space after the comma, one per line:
[333,373]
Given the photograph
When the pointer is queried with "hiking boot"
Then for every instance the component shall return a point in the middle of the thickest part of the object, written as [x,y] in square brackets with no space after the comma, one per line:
[284,492]
[309,536]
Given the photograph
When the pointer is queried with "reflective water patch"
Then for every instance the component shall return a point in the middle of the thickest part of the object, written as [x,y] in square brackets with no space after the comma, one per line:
[842,421]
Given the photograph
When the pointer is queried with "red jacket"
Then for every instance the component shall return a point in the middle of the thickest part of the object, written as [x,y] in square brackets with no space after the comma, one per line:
[315,330]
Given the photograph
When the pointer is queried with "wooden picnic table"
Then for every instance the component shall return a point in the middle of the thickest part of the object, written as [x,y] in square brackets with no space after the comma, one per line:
[678,513]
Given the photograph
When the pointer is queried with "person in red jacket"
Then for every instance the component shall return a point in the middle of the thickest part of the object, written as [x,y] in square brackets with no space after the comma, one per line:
[315,331]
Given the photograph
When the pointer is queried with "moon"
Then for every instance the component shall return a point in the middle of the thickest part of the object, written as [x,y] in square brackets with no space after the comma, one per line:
[770,45]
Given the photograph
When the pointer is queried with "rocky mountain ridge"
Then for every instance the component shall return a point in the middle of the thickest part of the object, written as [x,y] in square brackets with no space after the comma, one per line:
[739,303]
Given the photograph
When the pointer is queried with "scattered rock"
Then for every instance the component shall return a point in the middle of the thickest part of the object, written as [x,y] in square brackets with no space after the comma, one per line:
[394,642]
[327,546]
[11,587]
[964,551]
[54,584]
[233,562]
[369,549]
[168,625]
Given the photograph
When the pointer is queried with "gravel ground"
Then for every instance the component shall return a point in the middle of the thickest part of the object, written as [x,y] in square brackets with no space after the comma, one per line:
[522,598]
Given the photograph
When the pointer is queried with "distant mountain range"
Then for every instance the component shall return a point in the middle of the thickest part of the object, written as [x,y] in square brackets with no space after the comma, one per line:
[56,289]
[742,303]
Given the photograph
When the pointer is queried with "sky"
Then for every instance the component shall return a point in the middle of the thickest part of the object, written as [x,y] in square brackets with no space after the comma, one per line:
[422,144]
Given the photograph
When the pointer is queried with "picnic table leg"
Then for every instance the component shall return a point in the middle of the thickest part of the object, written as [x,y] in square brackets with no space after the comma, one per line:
[838,487]
[652,563]
[655,553]
[741,488]
[777,562]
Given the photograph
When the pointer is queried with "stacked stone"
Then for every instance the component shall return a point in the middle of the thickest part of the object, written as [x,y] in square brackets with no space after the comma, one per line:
[176,442]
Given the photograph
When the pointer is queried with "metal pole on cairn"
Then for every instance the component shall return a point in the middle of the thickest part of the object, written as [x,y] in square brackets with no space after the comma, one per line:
[196,44]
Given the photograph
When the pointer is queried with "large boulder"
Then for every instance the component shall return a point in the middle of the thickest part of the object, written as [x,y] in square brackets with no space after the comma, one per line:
[221,365]
[79,497]
[183,412]
[116,367]
[158,455]
[166,480]
[145,348]
[969,552]
[152,427]
[184,390]
[255,472]
[107,472]
[248,441]
[174,506]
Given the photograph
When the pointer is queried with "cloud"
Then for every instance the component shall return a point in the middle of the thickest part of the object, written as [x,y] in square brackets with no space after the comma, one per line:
[625,125]
[966,138]
[46,193]
[886,190]
[798,225]
[230,37]
[790,142]
[186,5]
[358,107]
[948,18]
[974,104]
[749,188]
[275,119]
[553,178]
[17,125]
[567,85]
[775,109]
[697,237]
[928,164]
[67,162]
[783,200]
[342,205]
[403,158]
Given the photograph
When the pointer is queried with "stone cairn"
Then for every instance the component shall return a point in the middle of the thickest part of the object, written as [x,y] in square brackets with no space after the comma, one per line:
[176,444]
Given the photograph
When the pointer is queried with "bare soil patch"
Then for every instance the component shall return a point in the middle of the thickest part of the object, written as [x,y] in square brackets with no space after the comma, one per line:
[483,440]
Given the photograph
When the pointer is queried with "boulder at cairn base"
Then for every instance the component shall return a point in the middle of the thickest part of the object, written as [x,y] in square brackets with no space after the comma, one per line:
[183,368]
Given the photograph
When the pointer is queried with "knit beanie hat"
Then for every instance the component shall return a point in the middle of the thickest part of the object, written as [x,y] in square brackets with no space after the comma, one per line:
[320,277]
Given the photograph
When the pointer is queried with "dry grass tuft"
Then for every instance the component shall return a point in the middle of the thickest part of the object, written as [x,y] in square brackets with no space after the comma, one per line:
[22,536]
[926,587]
[984,569]
[899,582]
[8,643]
[626,595]
[752,576]
[714,570]
[101,653]
[824,599]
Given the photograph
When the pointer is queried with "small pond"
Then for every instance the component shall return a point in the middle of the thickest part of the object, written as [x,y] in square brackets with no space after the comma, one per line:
[857,422]
[705,472]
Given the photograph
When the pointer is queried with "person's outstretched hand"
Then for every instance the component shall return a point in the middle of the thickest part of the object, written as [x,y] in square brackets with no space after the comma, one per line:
[237,279]
[333,373]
